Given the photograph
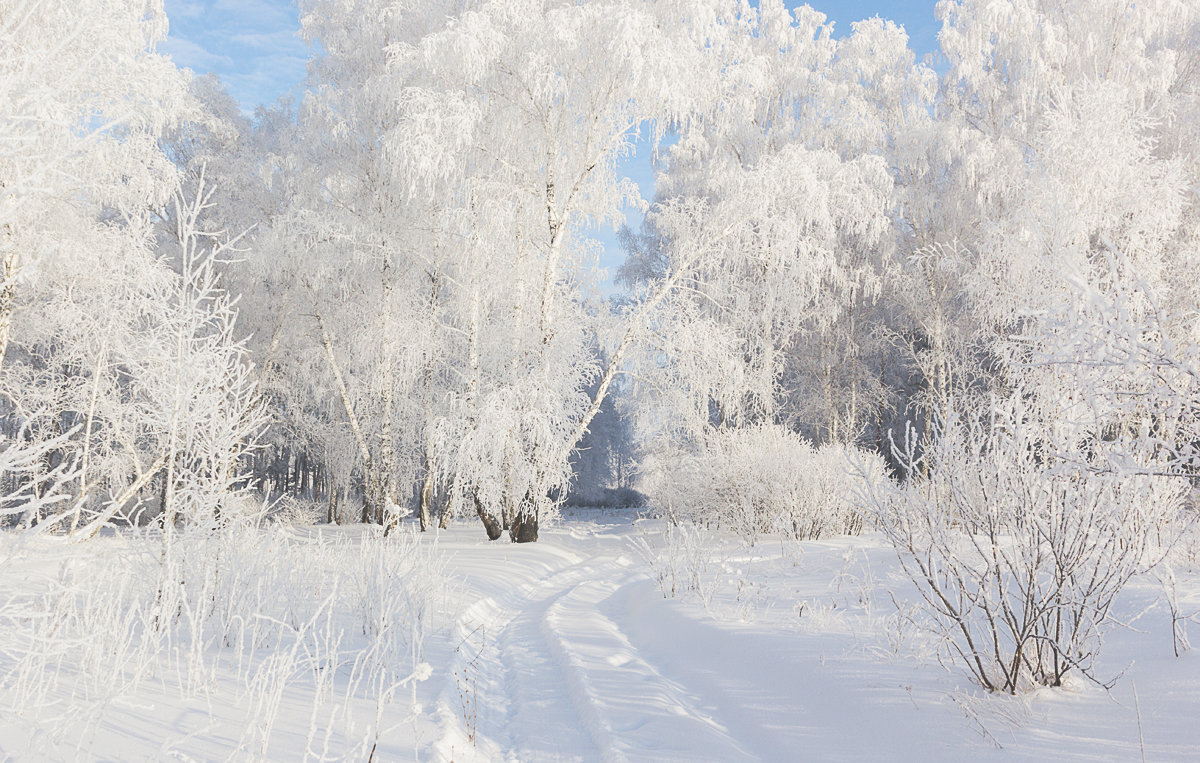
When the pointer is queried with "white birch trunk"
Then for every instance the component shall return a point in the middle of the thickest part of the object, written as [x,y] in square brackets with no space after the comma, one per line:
[360,440]
[87,437]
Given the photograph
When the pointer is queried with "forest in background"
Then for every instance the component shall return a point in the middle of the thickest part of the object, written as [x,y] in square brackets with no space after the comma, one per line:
[382,297]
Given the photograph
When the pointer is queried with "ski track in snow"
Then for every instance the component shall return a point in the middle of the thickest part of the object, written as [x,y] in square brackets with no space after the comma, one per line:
[574,686]
[501,632]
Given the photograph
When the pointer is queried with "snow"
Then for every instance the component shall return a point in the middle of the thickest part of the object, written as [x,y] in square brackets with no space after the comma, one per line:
[566,649]
[978,274]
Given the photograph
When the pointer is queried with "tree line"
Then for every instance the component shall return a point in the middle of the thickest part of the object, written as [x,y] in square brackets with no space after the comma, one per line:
[383,295]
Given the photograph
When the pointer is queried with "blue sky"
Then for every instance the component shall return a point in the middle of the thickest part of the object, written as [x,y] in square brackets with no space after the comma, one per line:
[254,45]
[255,48]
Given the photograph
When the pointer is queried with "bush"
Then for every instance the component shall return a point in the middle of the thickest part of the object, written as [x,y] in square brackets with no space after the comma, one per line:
[680,561]
[1019,545]
[768,480]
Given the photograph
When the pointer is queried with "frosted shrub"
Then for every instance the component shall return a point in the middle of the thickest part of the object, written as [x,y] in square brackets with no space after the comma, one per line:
[293,511]
[681,560]
[769,480]
[400,583]
[1019,549]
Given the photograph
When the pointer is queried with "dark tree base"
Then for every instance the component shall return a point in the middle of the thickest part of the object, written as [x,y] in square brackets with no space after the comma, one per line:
[490,523]
[524,528]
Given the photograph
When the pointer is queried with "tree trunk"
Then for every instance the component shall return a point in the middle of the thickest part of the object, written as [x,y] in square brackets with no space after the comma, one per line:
[443,514]
[427,483]
[525,528]
[490,523]
[426,496]
[366,501]
[359,438]
[87,435]
[388,460]
[8,289]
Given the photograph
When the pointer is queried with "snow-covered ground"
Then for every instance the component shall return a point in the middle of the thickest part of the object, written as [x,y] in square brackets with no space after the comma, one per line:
[565,649]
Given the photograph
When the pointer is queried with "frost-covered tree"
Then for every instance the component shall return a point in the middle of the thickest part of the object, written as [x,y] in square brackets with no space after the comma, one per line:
[85,97]
[93,310]
[494,134]
[540,99]
[773,219]
[1069,146]
[349,268]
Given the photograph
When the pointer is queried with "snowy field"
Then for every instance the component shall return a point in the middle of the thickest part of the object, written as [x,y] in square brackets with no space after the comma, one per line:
[334,643]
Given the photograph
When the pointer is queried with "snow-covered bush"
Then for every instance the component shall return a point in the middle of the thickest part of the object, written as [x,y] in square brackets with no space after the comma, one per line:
[680,560]
[1019,544]
[768,480]
[296,511]
[401,584]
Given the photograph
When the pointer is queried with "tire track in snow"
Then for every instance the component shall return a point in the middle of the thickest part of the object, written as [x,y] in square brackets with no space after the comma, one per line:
[561,679]
[510,678]
[548,720]
[629,708]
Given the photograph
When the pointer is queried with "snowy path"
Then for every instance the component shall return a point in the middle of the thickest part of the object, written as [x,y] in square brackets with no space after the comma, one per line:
[579,657]
[573,684]
[589,662]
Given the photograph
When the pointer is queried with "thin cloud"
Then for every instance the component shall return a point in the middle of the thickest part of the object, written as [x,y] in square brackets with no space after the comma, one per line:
[282,40]
[252,45]
[190,9]
[193,56]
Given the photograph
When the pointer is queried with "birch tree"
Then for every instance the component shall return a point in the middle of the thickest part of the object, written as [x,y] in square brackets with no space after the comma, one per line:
[85,96]
[518,112]
[1083,179]
[776,225]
